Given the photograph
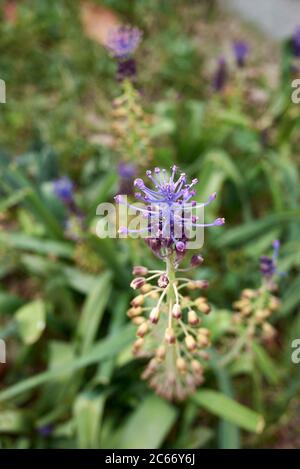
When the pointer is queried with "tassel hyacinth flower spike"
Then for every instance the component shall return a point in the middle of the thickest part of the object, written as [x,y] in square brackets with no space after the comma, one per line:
[168,308]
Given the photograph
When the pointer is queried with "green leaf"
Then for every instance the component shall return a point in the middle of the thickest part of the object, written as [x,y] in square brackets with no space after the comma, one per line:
[265,364]
[88,409]
[80,281]
[291,298]
[228,433]
[41,246]
[253,229]
[93,310]
[36,202]
[9,303]
[13,199]
[228,409]
[148,425]
[31,321]
[103,350]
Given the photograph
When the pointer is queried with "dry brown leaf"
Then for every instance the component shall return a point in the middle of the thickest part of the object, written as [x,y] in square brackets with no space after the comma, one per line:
[10,11]
[97,21]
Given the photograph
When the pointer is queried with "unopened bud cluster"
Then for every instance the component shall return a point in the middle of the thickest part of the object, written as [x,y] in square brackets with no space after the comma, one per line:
[130,125]
[254,308]
[169,330]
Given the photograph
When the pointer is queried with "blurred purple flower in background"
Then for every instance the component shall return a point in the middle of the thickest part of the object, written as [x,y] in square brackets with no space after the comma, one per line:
[64,189]
[221,75]
[268,265]
[45,431]
[126,69]
[241,50]
[296,42]
[123,41]
[127,172]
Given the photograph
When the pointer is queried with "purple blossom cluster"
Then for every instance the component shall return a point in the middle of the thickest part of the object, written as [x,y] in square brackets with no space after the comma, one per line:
[123,41]
[241,50]
[169,225]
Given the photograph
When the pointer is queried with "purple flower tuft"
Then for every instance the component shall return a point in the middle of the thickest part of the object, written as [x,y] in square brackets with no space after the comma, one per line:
[168,211]
[64,189]
[241,50]
[123,41]
[127,170]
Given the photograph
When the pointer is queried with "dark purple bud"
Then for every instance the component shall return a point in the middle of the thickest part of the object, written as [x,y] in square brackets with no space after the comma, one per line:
[138,282]
[221,75]
[163,281]
[126,69]
[196,260]
[296,42]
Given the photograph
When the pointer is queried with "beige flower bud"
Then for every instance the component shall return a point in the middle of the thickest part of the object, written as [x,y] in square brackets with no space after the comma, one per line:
[268,331]
[170,336]
[181,365]
[176,311]
[193,318]
[154,315]
[133,312]
[190,342]
[274,303]
[248,293]
[142,330]
[160,353]
[138,300]
[137,345]
[197,367]
[204,308]
[146,288]
[154,295]
[262,314]
[138,320]
[203,340]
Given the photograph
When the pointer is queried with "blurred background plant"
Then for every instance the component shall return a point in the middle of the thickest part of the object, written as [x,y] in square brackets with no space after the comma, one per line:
[220,105]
